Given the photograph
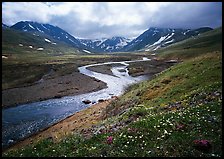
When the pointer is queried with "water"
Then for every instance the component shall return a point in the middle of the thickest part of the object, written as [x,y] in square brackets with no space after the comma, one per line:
[24,120]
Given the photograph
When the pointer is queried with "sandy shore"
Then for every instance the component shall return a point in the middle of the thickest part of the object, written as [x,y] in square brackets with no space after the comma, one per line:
[71,84]
[72,124]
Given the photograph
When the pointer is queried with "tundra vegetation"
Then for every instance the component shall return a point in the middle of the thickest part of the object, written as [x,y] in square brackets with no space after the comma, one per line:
[176,113]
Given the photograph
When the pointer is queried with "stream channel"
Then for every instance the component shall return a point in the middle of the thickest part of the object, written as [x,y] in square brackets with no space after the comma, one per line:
[24,120]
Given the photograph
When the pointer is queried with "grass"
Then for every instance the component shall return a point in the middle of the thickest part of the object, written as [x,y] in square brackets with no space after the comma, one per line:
[157,118]
[185,107]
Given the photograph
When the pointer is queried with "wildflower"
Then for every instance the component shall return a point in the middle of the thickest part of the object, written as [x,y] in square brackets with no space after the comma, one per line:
[109,140]
[203,145]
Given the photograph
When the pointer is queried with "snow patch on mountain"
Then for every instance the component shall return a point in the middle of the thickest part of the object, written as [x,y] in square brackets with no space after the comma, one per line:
[160,40]
[47,40]
[31,26]
[167,42]
[87,51]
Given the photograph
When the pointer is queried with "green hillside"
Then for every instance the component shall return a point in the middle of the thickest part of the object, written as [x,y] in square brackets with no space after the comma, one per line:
[162,117]
[192,47]
[17,42]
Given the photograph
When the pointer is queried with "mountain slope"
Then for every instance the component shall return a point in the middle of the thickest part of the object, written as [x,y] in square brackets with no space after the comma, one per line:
[191,47]
[19,42]
[4,26]
[155,38]
[50,30]
[113,44]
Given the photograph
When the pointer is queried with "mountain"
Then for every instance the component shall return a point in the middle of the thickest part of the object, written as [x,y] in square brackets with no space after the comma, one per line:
[90,45]
[210,41]
[50,30]
[113,44]
[16,41]
[4,26]
[155,38]
[152,39]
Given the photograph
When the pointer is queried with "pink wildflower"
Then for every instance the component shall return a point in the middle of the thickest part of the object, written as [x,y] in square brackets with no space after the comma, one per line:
[109,139]
[202,144]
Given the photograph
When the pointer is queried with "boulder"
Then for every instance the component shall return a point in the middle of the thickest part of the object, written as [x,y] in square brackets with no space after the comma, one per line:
[86,101]
[114,97]
[101,100]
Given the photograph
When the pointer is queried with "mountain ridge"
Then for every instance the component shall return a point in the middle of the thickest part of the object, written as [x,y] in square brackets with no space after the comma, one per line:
[150,40]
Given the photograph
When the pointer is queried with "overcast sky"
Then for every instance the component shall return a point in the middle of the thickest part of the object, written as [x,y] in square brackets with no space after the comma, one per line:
[108,19]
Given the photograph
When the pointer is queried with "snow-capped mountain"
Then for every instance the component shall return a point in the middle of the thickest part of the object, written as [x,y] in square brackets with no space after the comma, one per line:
[151,39]
[113,44]
[155,38]
[50,30]
[92,43]
[4,26]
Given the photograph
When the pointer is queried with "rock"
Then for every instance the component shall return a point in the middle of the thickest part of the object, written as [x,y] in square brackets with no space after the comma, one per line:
[114,97]
[86,101]
[171,61]
[97,80]
[50,138]
[101,100]
[58,96]
[166,81]
[10,141]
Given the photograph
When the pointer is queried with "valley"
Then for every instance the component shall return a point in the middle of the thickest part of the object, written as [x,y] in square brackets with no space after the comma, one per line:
[163,100]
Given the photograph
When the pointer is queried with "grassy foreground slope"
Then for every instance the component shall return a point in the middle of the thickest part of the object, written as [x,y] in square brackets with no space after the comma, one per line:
[160,117]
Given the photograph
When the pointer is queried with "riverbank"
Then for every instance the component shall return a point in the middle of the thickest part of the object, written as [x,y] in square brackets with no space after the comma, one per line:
[47,88]
[75,123]
[68,126]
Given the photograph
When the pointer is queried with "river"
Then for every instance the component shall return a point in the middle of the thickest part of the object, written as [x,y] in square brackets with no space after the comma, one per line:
[24,120]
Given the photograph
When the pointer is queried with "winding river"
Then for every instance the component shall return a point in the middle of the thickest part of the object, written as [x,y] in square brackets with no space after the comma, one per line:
[24,120]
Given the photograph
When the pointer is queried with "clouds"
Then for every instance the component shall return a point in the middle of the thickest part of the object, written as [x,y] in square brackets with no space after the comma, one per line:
[107,19]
